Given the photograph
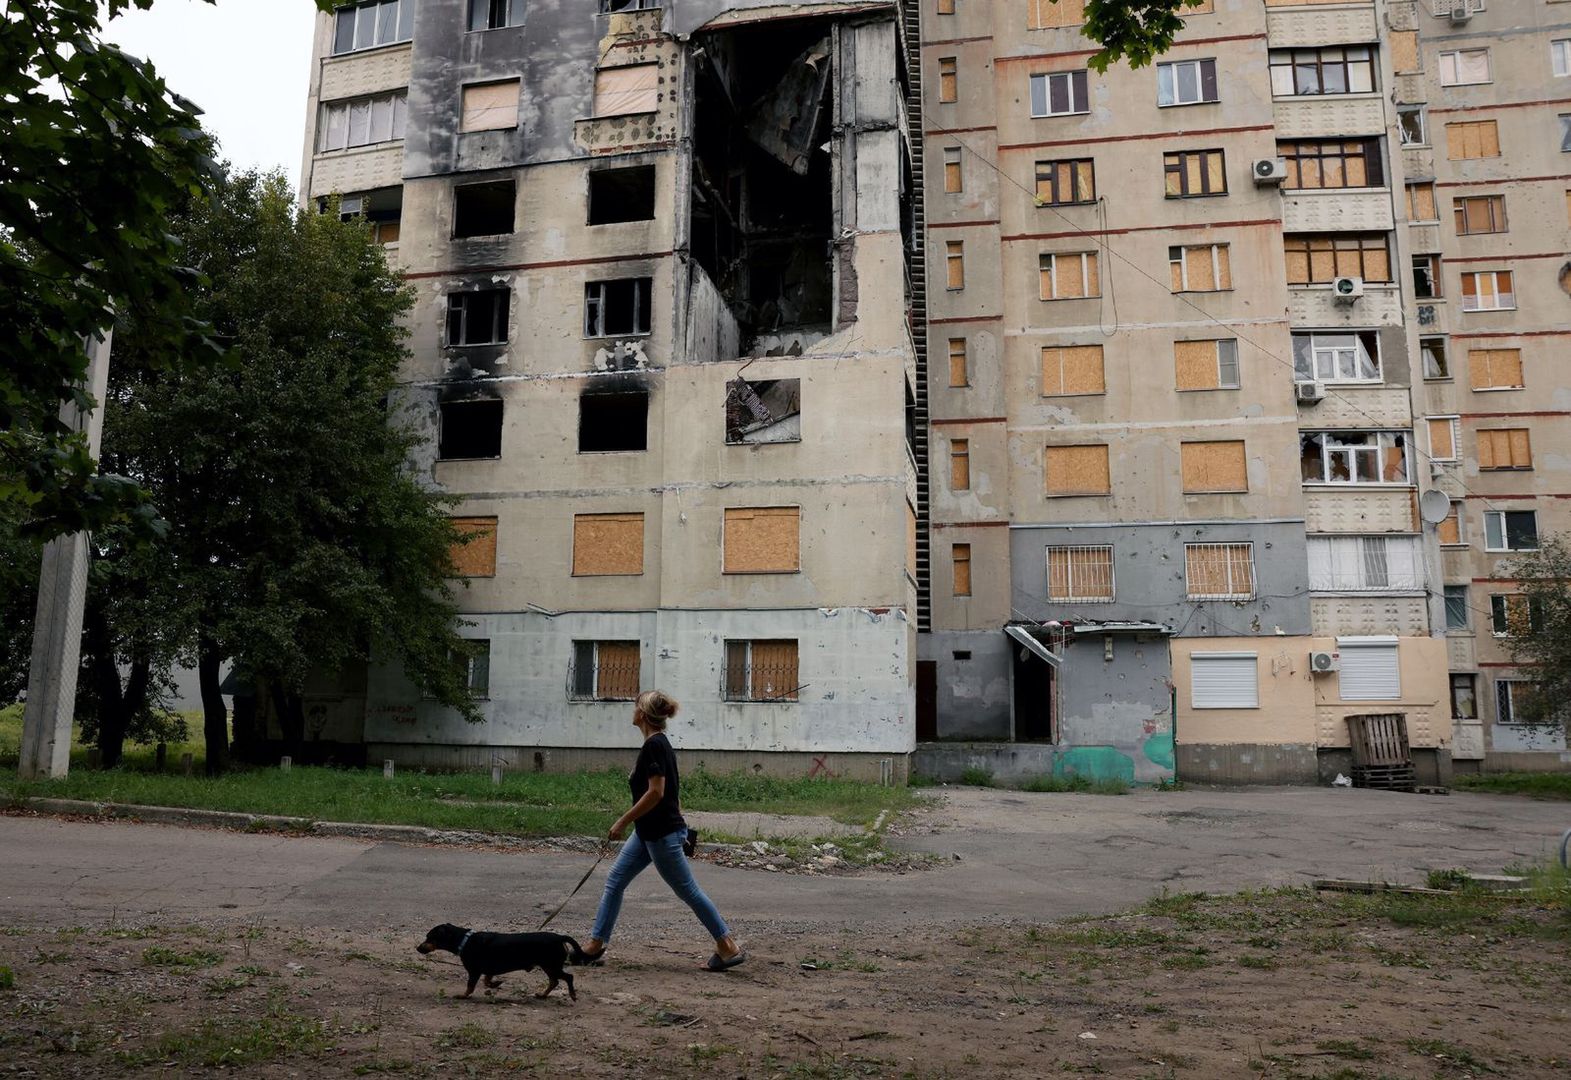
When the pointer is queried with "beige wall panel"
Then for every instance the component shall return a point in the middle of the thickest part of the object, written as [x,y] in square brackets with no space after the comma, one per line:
[1379,511]
[1425,695]
[1286,713]
[980,295]
[988,606]
[1356,616]
[1356,406]
[988,497]
[974,71]
[365,73]
[358,170]
[1309,117]
[977,199]
[475,557]
[1381,305]
[608,544]
[1329,211]
[1460,654]
[1321,26]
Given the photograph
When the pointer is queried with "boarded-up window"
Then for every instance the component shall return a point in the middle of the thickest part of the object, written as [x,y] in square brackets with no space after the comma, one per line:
[1066,182]
[1200,268]
[1078,470]
[1421,202]
[621,91]
[1045,14]
[948,80]
[1450,528]
[1443,438]
[1479,214]
[1194,173]
[1206,365]
[960,557]
[475,556]
[761,671]
[959,464]
[762,539]
[1404,50]
[1505,448]
[955,264]
[959,373]
[1467,139]
[608,544]
[1494,369]
[1069,275]
[1068,370]
[1318,260]
[490,106]
[946,7]
[605,671]
[953,179]
[1219,571]
[1214,466]
[1082,573]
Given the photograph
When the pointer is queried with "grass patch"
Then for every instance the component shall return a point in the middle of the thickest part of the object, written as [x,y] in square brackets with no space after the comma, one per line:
[238,1041]
[1110,786]
[977,777]
[1555,785]
[162,956]
[7,978]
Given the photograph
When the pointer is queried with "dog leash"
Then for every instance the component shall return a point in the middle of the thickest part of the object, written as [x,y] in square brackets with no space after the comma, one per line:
[600,859]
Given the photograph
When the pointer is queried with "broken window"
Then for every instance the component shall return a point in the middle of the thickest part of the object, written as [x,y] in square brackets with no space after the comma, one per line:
[474,554]
[477,318]
[1433,352]
[1426,276]
[604,671]
[490,106]
[1206,365]
[1338,163]
[609,6]
[1412,125]
[621,195]
[763,411]
[1353,457]
[469,429]
[1064,183]
[761,671]
[1421,205]
[382,210]
[617,308]
[483,209]
[1334,356]
[494,14]
[609,423]
[1194,173]
[608,544]
[623,91]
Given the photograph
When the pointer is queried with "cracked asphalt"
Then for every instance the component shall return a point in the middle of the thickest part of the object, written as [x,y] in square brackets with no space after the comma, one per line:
[1021,856]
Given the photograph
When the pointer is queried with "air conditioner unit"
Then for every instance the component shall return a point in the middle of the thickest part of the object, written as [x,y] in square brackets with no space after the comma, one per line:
[1460,13]
[1310,393]
[1269,170]
[1322,662]
[1347,289]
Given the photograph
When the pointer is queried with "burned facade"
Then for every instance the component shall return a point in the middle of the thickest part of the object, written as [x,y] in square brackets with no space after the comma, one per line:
[662,350]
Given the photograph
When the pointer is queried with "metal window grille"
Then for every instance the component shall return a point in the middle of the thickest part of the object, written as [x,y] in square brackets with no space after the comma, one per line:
[604,671]
[1083,574]
[762,670]
[1442,9]
[1220,571]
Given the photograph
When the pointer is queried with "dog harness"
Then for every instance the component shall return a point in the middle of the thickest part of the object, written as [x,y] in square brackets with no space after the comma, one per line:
[459,952]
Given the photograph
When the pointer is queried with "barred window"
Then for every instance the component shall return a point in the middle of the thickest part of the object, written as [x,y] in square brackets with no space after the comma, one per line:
[604,671]
[761,670]
[1219,571]
[1082,574]
[1337,163]
[1316,260]
[1062,183]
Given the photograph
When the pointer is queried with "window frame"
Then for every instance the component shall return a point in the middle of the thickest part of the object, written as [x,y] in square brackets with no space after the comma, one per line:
[948,80]
[1176,163]
[462,300]
[960,555]
[1496,204]
[1354,453]
[1415,206]
[1182,262]
[1376,567]
[1559,57]
[1455,423]
[1428,281]
[1167,72]
[726,693]
[963,354]
[1509,433]
[575,670]
[475,664]
[397,114]
[1422,113]
[1505,695]
[1500,605]
[1073,595]
[1426,353]
[1457,602]
[1222,546]
[1452,56]
[1052,168]
[960,464]
[512,10]
[595,308]
[1087,260]
[1323,150]
[954,175]
[1079,85]
[1476,277]
[1503,530]
[1338,245]
[1466,681]
[403,25]
[1318,344]
[1221,346]
[1292,60]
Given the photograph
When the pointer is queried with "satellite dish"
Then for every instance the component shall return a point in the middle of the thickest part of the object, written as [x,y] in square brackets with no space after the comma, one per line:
[1434,506]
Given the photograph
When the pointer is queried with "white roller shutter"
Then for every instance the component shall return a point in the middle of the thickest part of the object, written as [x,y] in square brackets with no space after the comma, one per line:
[1224,681]
[1369,670]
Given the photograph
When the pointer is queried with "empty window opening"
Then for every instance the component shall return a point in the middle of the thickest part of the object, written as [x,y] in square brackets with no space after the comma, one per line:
[762,176]
[477,318]
[609,6]
[621,195]
[483,209]
[610,423]
[763,411]
[382,209]
[470,429]
[616,308]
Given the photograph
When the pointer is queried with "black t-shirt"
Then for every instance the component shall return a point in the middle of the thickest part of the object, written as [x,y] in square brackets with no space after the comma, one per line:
[656,758]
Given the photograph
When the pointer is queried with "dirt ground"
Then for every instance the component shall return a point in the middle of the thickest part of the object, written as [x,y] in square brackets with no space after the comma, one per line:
[1271,985]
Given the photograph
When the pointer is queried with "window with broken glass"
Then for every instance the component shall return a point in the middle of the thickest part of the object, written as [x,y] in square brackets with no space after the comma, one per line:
[1426,277]
[1194,173]
[366,26]
[761,670]
[1433,351]
[1515,614]
[495,14]
[1510,530]
[1319,259]
[609,6]
[604,671]
[1353,457]
[617,308]
[477,318]
[1319,356]
[613,422]
[1412,125]
[763,411]
[1341,163]
[469,429]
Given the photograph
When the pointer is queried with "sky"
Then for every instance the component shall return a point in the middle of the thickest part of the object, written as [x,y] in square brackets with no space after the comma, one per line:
[244,62]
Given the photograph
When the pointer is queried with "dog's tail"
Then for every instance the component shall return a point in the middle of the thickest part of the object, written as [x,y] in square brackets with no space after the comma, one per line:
[575,954]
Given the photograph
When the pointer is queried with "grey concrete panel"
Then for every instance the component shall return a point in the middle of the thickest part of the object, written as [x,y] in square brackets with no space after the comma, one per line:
[1248,763]
[974,691]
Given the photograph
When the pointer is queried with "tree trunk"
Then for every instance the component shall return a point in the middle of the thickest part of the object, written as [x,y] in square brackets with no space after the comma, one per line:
[113,718]
[215,718]
[291,719]
[250,735]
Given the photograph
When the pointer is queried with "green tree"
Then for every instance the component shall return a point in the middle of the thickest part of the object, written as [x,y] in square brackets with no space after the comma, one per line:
[1539,636]
[299,537]
[1132,30]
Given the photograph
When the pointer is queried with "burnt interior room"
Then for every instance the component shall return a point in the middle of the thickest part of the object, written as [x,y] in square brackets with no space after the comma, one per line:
[762,196]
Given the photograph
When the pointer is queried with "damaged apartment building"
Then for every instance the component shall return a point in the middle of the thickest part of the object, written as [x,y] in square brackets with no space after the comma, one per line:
[662,353]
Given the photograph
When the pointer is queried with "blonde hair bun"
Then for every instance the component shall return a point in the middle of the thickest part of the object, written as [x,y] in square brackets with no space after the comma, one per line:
[657,707]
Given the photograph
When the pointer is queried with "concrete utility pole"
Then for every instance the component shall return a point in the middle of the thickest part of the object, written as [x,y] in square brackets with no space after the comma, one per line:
[57,626]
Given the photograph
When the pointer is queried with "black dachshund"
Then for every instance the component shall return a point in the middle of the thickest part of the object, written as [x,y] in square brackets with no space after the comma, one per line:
[491,955]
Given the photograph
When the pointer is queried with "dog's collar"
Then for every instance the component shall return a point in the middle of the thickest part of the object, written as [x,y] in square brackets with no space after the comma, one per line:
[459,952]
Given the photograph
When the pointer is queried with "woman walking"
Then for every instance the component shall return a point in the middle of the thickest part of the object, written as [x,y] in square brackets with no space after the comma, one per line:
[658,834]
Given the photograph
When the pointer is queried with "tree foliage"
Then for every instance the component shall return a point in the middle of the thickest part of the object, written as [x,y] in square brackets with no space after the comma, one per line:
[1132,30]
[1539,635]
[299,539]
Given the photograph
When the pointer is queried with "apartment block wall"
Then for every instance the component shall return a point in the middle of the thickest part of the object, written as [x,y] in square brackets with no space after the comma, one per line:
[850,476]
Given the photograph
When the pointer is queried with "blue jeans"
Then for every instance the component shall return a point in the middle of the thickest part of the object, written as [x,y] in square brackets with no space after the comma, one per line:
[666,854]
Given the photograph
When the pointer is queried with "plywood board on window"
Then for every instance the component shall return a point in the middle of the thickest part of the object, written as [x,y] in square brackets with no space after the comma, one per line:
[617,670]
[1494,368]
[1069,370]
[961,560]
[1078,470]
[762,539]
[489,106]
[1045,14]
[622,91]
[1404,50]
[1214,466]
[476,556]
[1441,444]
[1195,366]
[774,671]
[608,544]
[1466,139]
